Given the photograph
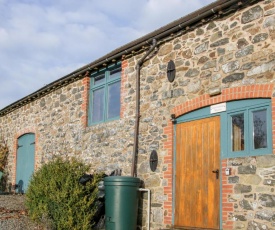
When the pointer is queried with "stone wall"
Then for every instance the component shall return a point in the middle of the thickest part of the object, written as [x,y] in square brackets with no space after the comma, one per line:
[58,120]
[248,193]
[254,197]
[234,53]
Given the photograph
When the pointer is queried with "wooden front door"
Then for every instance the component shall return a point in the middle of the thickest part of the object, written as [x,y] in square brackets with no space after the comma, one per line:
[197,179]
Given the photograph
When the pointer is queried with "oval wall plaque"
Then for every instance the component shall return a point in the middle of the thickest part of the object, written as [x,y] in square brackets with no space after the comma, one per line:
[153,160]
[171,71]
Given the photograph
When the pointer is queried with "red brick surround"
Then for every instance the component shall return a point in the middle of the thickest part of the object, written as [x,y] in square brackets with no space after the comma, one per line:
[85,94]
[85,97]
[124,64]
[227,207]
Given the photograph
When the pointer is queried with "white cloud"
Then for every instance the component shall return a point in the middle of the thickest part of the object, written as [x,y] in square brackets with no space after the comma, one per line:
[43,40]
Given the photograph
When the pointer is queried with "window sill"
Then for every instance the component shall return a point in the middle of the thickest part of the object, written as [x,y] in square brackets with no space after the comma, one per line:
[103,122]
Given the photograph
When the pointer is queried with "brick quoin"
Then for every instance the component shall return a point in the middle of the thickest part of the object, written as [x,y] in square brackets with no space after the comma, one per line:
[168,175]
[227,206]
[230,94]
[85,98]
[124,65]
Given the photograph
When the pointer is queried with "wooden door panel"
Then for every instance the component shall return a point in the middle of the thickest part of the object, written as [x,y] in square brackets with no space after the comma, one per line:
[197,189]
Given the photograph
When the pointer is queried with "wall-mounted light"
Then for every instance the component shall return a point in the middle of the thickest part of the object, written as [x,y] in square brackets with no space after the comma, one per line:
[173,118]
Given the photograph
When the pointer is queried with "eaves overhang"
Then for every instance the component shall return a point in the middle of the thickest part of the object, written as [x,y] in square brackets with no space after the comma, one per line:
[171,30]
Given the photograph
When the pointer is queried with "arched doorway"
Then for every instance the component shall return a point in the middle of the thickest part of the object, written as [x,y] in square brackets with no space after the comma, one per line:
[24,161]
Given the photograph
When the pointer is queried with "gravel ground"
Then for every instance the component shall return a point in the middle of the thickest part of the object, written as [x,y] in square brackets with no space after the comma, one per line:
[13,214]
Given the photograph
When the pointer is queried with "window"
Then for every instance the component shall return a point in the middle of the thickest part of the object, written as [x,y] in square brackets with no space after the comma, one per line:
[246,127]
[259,129]
[105,95]
[237,127]
[249,126]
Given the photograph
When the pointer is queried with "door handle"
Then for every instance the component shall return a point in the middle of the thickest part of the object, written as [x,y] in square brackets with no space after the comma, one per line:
[217,173]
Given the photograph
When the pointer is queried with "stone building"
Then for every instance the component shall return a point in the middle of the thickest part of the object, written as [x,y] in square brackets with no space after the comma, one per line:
[199,92]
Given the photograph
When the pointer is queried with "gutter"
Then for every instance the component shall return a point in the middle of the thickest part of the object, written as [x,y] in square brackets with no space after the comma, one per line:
[138,68]
[183,23]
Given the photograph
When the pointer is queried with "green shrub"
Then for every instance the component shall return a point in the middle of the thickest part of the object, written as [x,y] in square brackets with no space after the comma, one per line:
[55,196]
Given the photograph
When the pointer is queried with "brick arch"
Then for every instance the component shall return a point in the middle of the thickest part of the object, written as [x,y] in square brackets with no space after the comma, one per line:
[16,136]
[229,94]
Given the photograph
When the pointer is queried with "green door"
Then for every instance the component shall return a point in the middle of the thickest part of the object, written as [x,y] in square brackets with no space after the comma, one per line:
[25,161]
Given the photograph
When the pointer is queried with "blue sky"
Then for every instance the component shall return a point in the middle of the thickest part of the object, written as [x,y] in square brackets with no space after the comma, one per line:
[43,40]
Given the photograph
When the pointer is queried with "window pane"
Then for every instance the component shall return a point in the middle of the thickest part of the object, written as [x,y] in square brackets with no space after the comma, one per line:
[98,104]
[259,129]
[113,100]
[115,73]
[99,79]
[238,132]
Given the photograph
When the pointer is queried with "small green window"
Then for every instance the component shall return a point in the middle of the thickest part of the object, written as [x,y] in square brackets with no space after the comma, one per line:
[104,103]
[237,132]
[259,129]
[249,126]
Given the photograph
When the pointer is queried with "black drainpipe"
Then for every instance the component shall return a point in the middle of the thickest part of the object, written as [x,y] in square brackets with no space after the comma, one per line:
[135,149]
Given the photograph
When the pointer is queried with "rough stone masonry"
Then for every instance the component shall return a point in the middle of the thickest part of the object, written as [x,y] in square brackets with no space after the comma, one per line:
[235,51]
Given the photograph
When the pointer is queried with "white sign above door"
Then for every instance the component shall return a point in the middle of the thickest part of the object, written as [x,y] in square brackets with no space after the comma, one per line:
[218,108]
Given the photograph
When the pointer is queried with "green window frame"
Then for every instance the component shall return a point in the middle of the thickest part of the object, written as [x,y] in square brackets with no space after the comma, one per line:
[247,107]
[250,133]
[104,98]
